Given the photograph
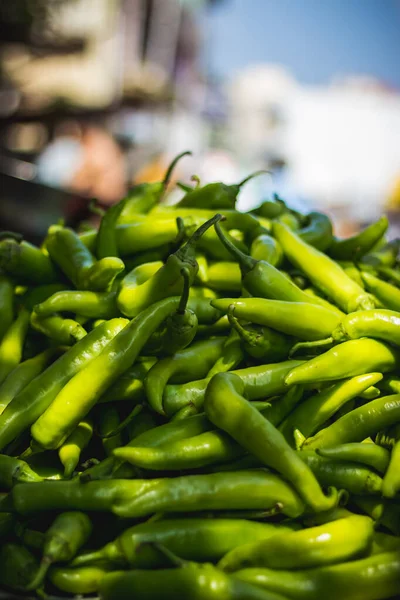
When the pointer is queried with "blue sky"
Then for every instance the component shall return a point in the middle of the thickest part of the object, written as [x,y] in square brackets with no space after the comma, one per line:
[315,39]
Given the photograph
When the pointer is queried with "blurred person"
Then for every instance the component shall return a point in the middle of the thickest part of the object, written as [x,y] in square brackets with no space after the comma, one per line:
[84,159]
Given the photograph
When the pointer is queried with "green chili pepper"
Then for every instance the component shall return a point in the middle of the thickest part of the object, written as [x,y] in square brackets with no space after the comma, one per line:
[32,401]
[38,294]
[142,197]
[191,539]
[322,271]
[388,294]
[106,239]
[359,424]
[163,434]
[190,363]
[22,375]
[383,257]
[167,281]
[262,381]
[137,277]
[215,196]
[109,421]
[62,331]
[96,305]
[290,220]
[70,452]
[82,580]
[224,276]
[179,328]
[130,386]
[312,547]
[391,480]
[382,511]
[261,343]
[26,263]
[351,476]
[201,582]
[208,448]
[305,321]
[282,407]
[384,542]
[68,532]
[310,415]
[360,244]
[82,392]
[372,578]
[368,454]
[254,489]
[6,304]
[317,231]
[68,251]
[379,323]
[392,275]
[264,247]
[349,359]
[17,566]
[270,209]
[226,407]
[13,470]
[262,279]
[11,346]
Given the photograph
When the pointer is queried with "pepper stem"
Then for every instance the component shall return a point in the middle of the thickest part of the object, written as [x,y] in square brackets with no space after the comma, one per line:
[247,263]
[315,344]
[172,166]
[247,336]
[171,557]
[255,174]
[192,241]
[196,179]
[185,292]
[40,575]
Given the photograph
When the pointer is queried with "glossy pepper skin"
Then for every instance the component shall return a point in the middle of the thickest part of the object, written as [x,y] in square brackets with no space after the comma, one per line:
[312,547]
[63,331]
[179,328]
[359,424]
[261,343]
[82,580]
[70,452]
[379,324]
[349,359]
[33,399]
[27,263]
[214,196]
[6,304]
[262,381]
[354,247]
[253,489]
[322,271]
[86,387]
[167,281]
[99,305]
[193,362]
[368,454]
[68,532]
[353,477]
[196,539]
[310,415]
[387,293]
[372,578]
[22,375]
[13,470]
[189,582]
[264,247]
[68,251]
[263,280]
[226,407]
[318,231]
[231,355]
[11,346]
[303,320]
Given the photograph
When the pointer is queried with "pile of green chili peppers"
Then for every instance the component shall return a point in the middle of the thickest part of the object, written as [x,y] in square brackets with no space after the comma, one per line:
[200,403]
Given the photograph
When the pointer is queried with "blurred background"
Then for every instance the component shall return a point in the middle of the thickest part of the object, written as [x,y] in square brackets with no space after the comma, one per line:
[96,95]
